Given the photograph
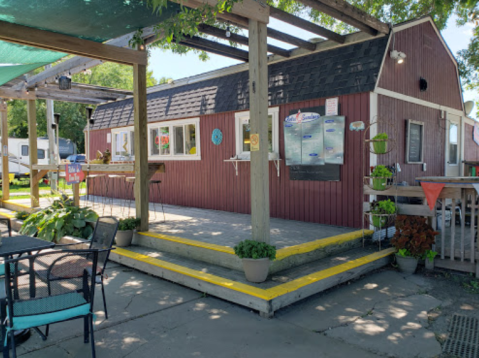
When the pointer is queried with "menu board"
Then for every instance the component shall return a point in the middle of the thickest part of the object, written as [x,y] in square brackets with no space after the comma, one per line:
[327,172]
[334,139]
[414,145]
[292,138]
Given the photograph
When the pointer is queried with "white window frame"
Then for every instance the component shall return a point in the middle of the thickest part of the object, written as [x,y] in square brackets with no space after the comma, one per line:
[114,132]
[240,117]
[170,125]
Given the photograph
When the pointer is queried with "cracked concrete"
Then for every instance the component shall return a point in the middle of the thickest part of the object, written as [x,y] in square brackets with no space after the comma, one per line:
[384,314]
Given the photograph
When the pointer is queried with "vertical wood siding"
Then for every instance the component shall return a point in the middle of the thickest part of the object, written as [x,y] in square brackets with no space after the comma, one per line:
[211,183]
[397,112]
[427,58]
[471,149]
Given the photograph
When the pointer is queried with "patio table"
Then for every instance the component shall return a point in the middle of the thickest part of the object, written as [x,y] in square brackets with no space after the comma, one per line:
[18,245]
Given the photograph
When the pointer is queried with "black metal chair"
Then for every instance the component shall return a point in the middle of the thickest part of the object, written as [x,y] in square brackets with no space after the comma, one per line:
[66,293]
[102,239]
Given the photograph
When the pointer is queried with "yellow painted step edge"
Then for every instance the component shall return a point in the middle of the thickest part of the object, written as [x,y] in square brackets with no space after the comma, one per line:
[17,204]
[10,216]
[266,294]
[317,244]
[280,253]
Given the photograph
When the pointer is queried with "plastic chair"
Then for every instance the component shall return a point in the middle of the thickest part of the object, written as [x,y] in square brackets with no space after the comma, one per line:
[65,294]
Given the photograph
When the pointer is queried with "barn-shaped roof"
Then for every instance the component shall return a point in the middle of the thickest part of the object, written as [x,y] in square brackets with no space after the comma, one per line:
[343,70]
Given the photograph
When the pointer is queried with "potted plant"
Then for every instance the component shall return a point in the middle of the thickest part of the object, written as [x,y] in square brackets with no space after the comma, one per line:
[256,256]
[381,210]
[380,177]
[380,143]
[413,240]
[124,235]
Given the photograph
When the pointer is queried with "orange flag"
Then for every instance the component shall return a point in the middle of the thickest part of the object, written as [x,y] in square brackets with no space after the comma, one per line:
[432,191]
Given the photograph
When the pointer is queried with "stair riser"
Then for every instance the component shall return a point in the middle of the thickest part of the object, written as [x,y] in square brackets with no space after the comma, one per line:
[233,262]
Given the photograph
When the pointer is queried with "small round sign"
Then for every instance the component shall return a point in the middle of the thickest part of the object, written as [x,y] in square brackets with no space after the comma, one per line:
[217,137]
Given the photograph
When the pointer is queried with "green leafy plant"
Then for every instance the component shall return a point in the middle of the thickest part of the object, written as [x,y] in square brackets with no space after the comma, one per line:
[414,237]
[380,171]
[430,255]
[129,224]
[383,207]
[21,215]
[58,220]
[381,136]
[251,249]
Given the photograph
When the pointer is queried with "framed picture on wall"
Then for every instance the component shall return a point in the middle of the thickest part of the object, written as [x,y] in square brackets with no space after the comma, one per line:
[414,142]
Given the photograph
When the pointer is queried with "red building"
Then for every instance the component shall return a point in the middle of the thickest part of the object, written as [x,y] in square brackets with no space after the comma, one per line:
[366,76]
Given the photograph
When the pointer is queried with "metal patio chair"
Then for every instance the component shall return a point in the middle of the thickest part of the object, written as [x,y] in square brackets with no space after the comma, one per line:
[102,239]
[67,293]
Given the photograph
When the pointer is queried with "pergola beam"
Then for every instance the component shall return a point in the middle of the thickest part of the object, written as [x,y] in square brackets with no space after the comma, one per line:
[48,40]
[306,25]
[341,16]
[220,33]
[215,47]
[281,36]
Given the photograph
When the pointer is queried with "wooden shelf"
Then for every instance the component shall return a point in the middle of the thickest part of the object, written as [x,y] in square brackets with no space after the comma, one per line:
[235,163]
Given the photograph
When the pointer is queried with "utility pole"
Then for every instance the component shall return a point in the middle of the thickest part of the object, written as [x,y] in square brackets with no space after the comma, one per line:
[51,141]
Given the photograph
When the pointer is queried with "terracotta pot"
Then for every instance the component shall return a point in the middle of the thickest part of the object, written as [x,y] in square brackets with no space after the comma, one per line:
[123,238]
[406,264]
[256,270]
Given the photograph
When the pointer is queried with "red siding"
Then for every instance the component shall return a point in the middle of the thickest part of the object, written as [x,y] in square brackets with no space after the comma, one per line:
[397,112]
[428,58]
[211,183]
[471,149]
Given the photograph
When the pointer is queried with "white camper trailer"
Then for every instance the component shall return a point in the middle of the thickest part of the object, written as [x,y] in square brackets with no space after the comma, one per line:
[19,155]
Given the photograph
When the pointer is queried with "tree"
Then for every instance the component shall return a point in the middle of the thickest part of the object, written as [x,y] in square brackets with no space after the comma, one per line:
[72,115]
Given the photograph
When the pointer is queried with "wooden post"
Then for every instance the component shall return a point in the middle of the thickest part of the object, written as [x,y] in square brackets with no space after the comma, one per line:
[76,194]
[5,170]
[33,154]
[258,92]
[142,189]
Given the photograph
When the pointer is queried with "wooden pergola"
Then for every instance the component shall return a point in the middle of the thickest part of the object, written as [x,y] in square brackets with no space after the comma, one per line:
[249,14]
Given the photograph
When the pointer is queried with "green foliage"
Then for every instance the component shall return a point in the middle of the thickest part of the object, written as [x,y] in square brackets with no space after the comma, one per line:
[130,223]
[381,136]
[430,255]
[414,237]
[380,171]
[250,249]
[383,207]
[471,286]
[21,215]
[58,220]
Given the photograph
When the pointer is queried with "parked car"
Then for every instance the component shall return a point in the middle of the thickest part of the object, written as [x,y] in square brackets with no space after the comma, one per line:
[77,158]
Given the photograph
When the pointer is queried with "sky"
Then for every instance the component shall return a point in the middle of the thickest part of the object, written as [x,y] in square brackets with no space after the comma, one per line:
[167,64]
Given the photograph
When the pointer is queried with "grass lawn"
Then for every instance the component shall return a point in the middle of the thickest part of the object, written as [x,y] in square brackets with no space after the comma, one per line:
[23,186]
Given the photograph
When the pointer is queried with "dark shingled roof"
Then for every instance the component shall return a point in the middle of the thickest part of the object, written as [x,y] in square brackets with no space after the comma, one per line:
[339,71]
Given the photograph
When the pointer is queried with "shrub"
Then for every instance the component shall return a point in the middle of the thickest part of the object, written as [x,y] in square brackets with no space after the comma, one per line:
[58,220]
[380,171]
[414,237]
[21,215]
[250,249]
[129,224]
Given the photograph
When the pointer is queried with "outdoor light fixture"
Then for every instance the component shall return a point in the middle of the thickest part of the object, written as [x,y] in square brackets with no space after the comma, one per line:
[54,126]
[422,84]
[46,84]
[228,32]
[398,56]
[56,116]
[142,47]
[64,83]
[69,73]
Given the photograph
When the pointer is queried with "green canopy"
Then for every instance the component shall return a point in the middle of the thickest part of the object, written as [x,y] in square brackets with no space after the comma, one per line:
[96,20]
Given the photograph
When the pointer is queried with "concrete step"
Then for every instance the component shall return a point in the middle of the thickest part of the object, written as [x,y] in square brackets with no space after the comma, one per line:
[224,256]
[278,291]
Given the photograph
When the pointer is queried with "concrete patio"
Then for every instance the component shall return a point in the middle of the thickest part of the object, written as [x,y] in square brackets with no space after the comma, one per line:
[382,315]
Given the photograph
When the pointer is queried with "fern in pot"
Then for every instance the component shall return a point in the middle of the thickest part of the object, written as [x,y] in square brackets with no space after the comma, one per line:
[256,257]
[124,235]
[380,177]
[413,240]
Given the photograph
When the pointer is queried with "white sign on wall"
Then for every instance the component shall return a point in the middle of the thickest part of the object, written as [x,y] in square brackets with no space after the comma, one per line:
[108,137]
[332,106]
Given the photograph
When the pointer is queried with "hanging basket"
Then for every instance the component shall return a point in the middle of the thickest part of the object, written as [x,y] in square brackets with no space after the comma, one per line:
[380,183]
[381,146]
[381,221]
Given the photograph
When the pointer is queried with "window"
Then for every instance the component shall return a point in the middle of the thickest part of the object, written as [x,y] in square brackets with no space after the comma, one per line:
[414,142]
[41,153]
[453,143]
[25,150]
[123,143]
[175,140]
[243,130]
